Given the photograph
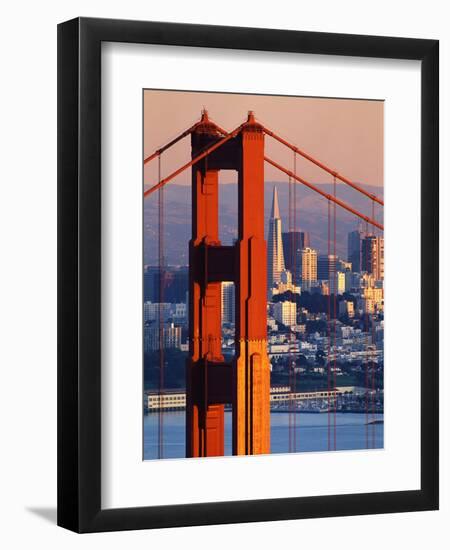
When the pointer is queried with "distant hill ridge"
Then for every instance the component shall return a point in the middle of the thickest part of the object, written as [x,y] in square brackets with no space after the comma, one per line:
[311,215]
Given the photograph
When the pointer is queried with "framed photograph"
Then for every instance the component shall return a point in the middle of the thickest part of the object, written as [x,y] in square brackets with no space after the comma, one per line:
[248,275]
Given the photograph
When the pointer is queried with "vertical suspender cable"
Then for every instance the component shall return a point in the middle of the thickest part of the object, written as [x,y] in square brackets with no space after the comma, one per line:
[161,281]
[329,327]
[294,270]
[335,290]
[366,323]
[207,337]
[373,342]
[291,366]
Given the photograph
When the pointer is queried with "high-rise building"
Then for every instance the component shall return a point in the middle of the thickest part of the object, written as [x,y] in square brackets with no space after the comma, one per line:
[354,249]
[170,284]
[326,264]
[346,308]
[285,313]
[169,337]
[275,257]
[352,281]
[372,256]
[151,293]
[309,268]
[153,311]
[337,283]
[293,244]
[228,301]
[376,295]
[285,284]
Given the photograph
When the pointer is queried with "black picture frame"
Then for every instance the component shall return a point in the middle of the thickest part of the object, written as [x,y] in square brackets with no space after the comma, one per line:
[79,274]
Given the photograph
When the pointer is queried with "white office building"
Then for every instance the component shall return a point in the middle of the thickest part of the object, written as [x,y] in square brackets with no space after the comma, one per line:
[285,313]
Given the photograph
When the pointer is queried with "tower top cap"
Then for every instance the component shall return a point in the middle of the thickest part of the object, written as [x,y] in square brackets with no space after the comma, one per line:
[206,125]
[251,123]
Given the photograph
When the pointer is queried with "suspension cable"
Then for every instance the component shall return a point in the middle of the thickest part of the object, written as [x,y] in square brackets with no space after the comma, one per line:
[161,150]
[323,166]
[328,196]
[198,158]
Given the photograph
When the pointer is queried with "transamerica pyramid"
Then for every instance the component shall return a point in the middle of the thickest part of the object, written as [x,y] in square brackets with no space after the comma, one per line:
[275,258]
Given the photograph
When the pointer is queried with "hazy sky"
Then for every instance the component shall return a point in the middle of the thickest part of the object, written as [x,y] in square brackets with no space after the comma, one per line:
[345,134]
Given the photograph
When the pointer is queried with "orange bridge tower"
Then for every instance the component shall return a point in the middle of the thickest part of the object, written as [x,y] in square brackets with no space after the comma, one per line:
[210,381]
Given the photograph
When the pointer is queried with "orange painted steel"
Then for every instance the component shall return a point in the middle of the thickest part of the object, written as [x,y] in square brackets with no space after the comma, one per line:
[210,381]
[323,166]
[184,134]
[168,145]
[194,161]
[337,201]
[251,387]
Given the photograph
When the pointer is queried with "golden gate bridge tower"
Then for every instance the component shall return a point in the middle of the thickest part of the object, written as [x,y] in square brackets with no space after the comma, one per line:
[244,382]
